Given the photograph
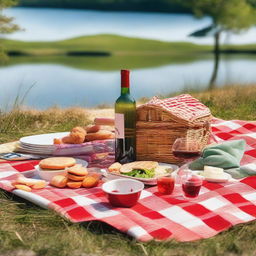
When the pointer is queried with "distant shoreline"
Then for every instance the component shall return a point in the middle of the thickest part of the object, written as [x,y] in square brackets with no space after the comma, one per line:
[105,45]
[139,6]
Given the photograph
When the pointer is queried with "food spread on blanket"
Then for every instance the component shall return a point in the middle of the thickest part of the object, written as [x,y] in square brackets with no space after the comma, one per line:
[79,206]
[75,175]
[102,129]
[140,169]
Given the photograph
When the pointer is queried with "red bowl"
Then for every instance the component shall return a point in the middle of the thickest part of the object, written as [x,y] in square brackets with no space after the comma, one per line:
[123,192]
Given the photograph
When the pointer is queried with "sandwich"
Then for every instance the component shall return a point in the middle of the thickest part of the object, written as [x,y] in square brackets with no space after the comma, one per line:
[140,169]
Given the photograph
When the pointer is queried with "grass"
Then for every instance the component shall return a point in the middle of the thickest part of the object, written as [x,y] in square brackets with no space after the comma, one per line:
[232,102]
[26,227]
[20,122]
[114,44]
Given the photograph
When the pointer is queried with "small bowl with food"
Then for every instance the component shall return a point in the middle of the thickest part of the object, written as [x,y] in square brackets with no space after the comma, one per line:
[123,192]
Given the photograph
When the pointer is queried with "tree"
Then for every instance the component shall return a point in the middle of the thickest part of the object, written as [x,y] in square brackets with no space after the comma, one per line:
[226,15]
[6,23]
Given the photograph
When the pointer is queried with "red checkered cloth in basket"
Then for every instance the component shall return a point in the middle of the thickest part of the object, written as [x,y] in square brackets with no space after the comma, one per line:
[218,207]
[183,106]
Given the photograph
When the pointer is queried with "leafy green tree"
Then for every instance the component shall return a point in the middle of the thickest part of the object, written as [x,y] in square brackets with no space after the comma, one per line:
[6,23]
[226,15]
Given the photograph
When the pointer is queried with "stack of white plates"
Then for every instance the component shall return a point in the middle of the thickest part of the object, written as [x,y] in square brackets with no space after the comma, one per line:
[40,144]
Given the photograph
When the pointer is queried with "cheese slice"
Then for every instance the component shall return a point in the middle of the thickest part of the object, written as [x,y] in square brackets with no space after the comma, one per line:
[213,172]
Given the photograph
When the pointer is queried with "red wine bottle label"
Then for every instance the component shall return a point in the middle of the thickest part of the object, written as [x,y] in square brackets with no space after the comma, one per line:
[119,126]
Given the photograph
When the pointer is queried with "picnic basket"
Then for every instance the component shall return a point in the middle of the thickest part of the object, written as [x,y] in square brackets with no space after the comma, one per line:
[160,122]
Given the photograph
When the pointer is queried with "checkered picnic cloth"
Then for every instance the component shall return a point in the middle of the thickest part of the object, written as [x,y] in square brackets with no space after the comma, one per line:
[161,217]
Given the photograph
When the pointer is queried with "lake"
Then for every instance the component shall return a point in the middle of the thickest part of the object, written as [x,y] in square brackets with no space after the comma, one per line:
[56,82]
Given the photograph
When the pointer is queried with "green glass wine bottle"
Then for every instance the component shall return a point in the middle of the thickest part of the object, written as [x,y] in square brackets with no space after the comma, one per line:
[125,122]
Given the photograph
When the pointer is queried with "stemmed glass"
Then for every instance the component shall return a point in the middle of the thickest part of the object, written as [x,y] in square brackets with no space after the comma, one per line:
[186,150]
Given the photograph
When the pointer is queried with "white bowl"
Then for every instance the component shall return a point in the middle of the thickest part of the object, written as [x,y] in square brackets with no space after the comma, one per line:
[48,175]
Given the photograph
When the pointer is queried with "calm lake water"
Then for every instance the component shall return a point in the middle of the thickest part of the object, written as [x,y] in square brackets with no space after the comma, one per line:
[57,83]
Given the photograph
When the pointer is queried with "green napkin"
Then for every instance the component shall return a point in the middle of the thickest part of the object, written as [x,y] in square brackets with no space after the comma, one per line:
[225,155]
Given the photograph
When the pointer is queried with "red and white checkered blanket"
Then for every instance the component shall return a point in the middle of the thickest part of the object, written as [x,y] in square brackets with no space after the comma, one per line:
[155,216]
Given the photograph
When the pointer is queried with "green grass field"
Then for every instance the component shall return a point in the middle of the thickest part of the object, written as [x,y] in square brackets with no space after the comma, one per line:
[116,45]
[26,227]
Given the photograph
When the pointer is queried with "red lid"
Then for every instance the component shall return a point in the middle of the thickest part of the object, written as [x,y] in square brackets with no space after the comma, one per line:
[125,78]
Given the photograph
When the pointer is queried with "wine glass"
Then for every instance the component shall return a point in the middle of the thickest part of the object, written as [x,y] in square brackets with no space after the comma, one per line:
[191,185]
[186,150]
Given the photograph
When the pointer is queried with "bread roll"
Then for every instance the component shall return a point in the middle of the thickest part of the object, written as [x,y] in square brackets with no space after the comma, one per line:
[23,187]
[76,136]
[100,135]
[90,181]
[91,128]
[77,169]
[34,183]
[57,163]
[59,181]
[78,129]
[74,184]
[57,141]
[115,167]
[67,140]
[104,121]
[75,177]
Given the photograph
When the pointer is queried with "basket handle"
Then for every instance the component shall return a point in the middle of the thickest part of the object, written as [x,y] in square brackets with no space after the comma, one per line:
[206,127]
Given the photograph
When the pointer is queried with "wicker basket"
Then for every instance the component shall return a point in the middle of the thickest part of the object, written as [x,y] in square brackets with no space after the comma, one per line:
[160,122]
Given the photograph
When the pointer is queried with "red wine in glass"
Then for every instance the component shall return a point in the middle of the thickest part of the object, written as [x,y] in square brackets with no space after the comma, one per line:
[191,190]
[186,154]
[191,185]
[165,185]
[186,149]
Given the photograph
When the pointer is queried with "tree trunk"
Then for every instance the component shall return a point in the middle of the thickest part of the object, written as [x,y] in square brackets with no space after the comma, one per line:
[216,60]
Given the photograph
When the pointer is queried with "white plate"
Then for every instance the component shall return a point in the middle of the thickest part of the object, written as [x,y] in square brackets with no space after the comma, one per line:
[225,177]
[150,181]
[36,148]
[42,139]
[32,151]
[28,174]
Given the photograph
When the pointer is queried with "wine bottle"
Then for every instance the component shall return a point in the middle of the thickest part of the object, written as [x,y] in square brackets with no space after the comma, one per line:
[125,122]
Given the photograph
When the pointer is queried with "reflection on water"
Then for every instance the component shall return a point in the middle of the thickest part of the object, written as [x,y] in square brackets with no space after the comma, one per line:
[66,86]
